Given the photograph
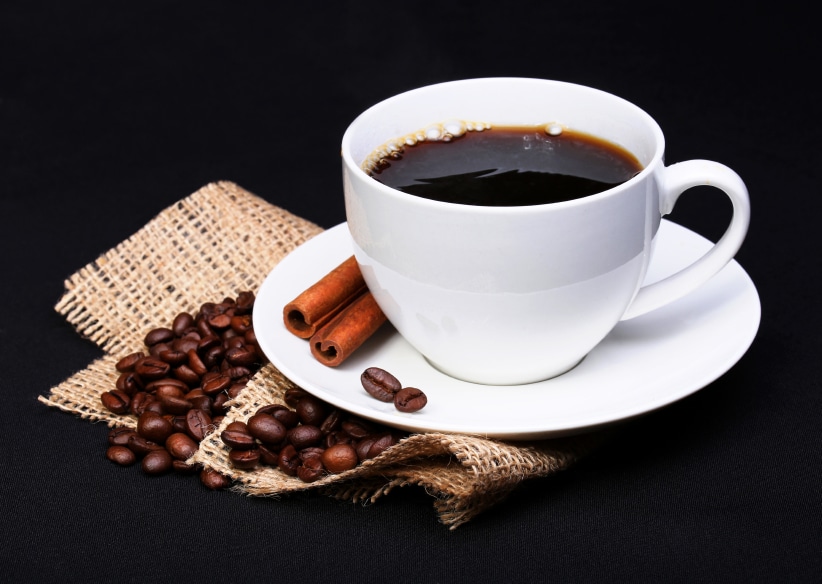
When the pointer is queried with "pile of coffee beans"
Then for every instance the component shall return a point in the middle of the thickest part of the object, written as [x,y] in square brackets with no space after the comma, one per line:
[310,441]
[178,386]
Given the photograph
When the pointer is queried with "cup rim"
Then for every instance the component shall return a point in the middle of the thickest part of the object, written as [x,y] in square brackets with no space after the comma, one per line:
[353,166]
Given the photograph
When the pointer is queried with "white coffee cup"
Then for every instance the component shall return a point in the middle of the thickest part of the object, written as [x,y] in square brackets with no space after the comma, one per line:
[513,295]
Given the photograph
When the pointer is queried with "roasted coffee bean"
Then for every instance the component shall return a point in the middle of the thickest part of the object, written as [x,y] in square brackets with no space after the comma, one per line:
[311,470]
[154,427]
[293,396]
[219,321]
[268,455]
[212,356]
[204,328]
[152,386]
[151,368]
[182,323]
[173,357]
[162,391]
[178,422]
[381,443]
[216,384]
[140,446]
[209,342]
[157,462]
[289,460]
[285,416]
[236,436]
[201,402]
[244,459]
[245,302]
[332,422]
[181,467]
[236,388]
[174,405]
[158,335]
[185,374]
[211,374]
[237,372]
[195,363]
[410,399]
[311,410]
[155,350]
[266,428]
[232,342]
[380,384]
[311,452]
[269,409]
[119,436]
[241,356]
[186,343]
[339,458]
[116,401]
[213,480]
[208,309]
[241,323]
[139,401]
[363,447]
[304,436]
[229,338]
[338,437]
[356,428]
[198,424]
[120,455]
[181,446]
[219,407]
[129,382]
[127,363]
[154,406]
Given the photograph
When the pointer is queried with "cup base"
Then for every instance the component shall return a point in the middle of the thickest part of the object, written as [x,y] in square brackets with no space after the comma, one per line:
[502,379]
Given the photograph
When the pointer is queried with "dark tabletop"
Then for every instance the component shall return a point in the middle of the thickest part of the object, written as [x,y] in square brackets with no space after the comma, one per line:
[111,111]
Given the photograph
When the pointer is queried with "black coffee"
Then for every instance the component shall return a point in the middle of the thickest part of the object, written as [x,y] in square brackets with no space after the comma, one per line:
[508,166]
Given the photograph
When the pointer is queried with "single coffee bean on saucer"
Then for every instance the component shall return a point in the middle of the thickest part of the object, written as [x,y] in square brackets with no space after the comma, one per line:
[380,384]
[410,399]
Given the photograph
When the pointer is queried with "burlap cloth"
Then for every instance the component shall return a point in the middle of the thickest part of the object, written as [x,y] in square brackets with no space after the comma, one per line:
[215,243]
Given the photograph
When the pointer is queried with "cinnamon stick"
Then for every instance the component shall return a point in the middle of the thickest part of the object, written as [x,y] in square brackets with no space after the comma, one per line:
[317,305]
[335,341]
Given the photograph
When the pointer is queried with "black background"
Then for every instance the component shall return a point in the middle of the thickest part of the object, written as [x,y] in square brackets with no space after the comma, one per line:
[111,111]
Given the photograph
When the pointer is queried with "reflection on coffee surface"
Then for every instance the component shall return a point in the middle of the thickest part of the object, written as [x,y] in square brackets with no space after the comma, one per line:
[477,164]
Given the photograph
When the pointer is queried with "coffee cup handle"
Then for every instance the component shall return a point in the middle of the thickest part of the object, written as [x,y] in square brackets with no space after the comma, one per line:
[673,181]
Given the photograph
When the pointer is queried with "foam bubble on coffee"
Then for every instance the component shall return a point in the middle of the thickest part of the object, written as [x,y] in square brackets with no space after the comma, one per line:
[437,132]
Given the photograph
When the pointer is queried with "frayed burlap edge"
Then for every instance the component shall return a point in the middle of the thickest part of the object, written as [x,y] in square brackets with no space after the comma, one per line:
[215,243]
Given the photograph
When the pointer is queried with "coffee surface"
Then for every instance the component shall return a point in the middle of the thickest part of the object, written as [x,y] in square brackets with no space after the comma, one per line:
[509,166]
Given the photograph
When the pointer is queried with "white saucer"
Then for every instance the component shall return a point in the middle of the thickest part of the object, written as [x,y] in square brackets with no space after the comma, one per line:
[644,364]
